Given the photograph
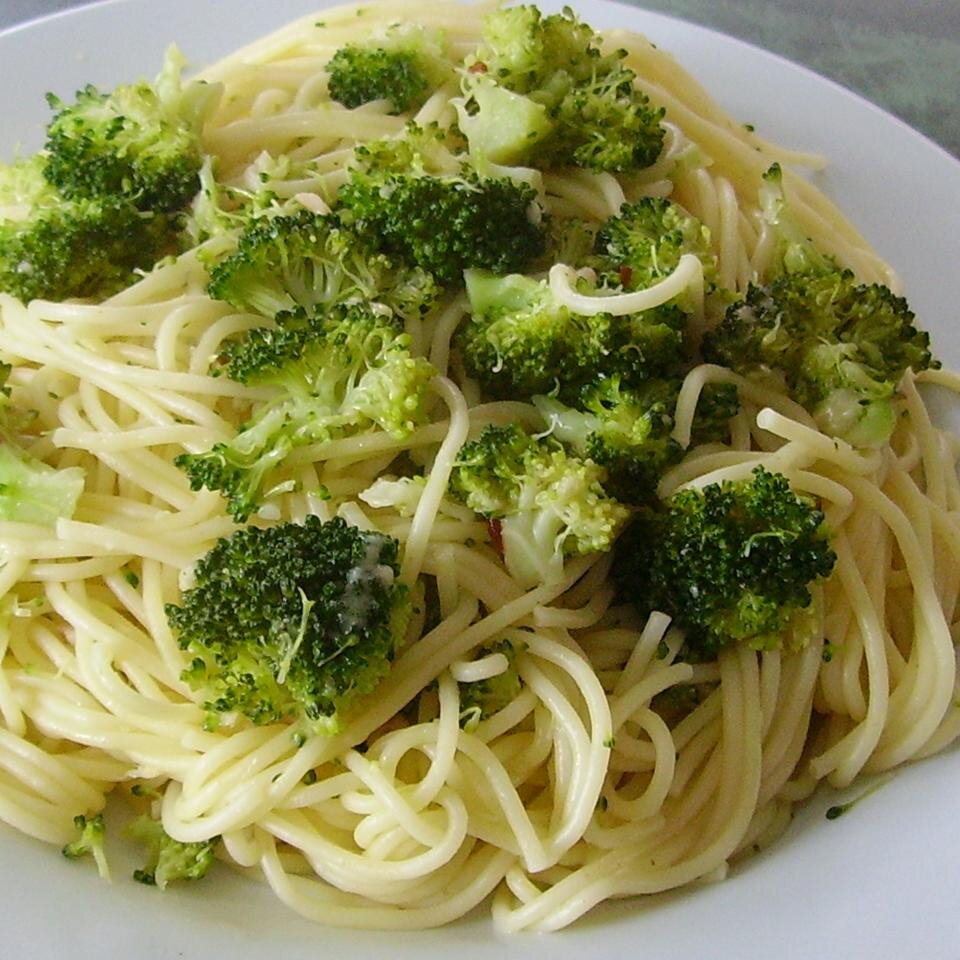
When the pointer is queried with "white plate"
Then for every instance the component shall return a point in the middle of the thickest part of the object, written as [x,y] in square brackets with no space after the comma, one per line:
[880,882]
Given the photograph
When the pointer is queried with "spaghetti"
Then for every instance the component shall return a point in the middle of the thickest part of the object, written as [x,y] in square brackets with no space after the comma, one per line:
[581,788]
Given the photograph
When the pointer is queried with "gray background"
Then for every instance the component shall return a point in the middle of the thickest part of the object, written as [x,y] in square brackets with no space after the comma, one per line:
[902,54]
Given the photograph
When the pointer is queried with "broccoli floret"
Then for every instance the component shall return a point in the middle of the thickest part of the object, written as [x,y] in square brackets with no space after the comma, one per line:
[607,124]
[441,223]
[220,208]
[481,699]
[520,340]
[293,622]
[841,347]
[169,860]
[142,141]
[730,563]
[348,372]
[795,251]
[548,504]
[57,248]
[421,150]
[645,241]
[625,431]
[628,431]
[569,241]
[24,188]
[525,50]
[717,406]
[30,490]
[359,74]
[403,66]
[540,90]
[311,262]
[89,842]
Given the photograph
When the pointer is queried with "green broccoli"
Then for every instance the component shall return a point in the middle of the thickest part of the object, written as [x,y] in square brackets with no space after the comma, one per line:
[841,347]
[628,431]
[481,699]
[292,622]
[221,208]
[403,67]
[547,504]
[730,563]
[570,241]
[30,490]
[795,251]
[643,244]
[169,860]
[348,372]
[33,492]
[141,142]
[521,341]
[56,248]
[540,91]
[90,839]
[311,262]
[717,406]
[443,223]
[24,188]
[680,700]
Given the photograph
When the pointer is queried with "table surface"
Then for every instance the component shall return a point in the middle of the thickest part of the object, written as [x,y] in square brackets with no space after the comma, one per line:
[902,54]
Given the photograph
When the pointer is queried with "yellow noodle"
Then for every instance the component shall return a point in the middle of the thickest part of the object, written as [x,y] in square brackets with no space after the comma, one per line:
[586,784]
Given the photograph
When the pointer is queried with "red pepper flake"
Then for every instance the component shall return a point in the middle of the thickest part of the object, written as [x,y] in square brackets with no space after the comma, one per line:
[626,275]
[496,535]
[478,67]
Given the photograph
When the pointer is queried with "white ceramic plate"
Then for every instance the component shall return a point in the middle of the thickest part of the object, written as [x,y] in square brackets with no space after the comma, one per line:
[881,882]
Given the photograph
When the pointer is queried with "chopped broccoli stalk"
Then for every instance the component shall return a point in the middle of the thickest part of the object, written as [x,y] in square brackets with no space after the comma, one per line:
[293,622]
[481,699]
[90,839]
[33,492]
[311,262]
[169,860]
[645,241]
[730,563]
[402,494]
[549,504]
[628,431]
[841,347]
[142,141]
[56,248]
[540,90]
[348,372]
[521,341]
[403,67]
[500,126]
[30,490]
[444,223]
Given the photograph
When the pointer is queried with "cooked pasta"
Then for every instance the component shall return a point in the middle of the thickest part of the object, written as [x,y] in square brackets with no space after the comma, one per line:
[584,786]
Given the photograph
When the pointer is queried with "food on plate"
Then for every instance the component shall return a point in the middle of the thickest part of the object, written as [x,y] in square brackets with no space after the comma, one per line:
[447,459]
